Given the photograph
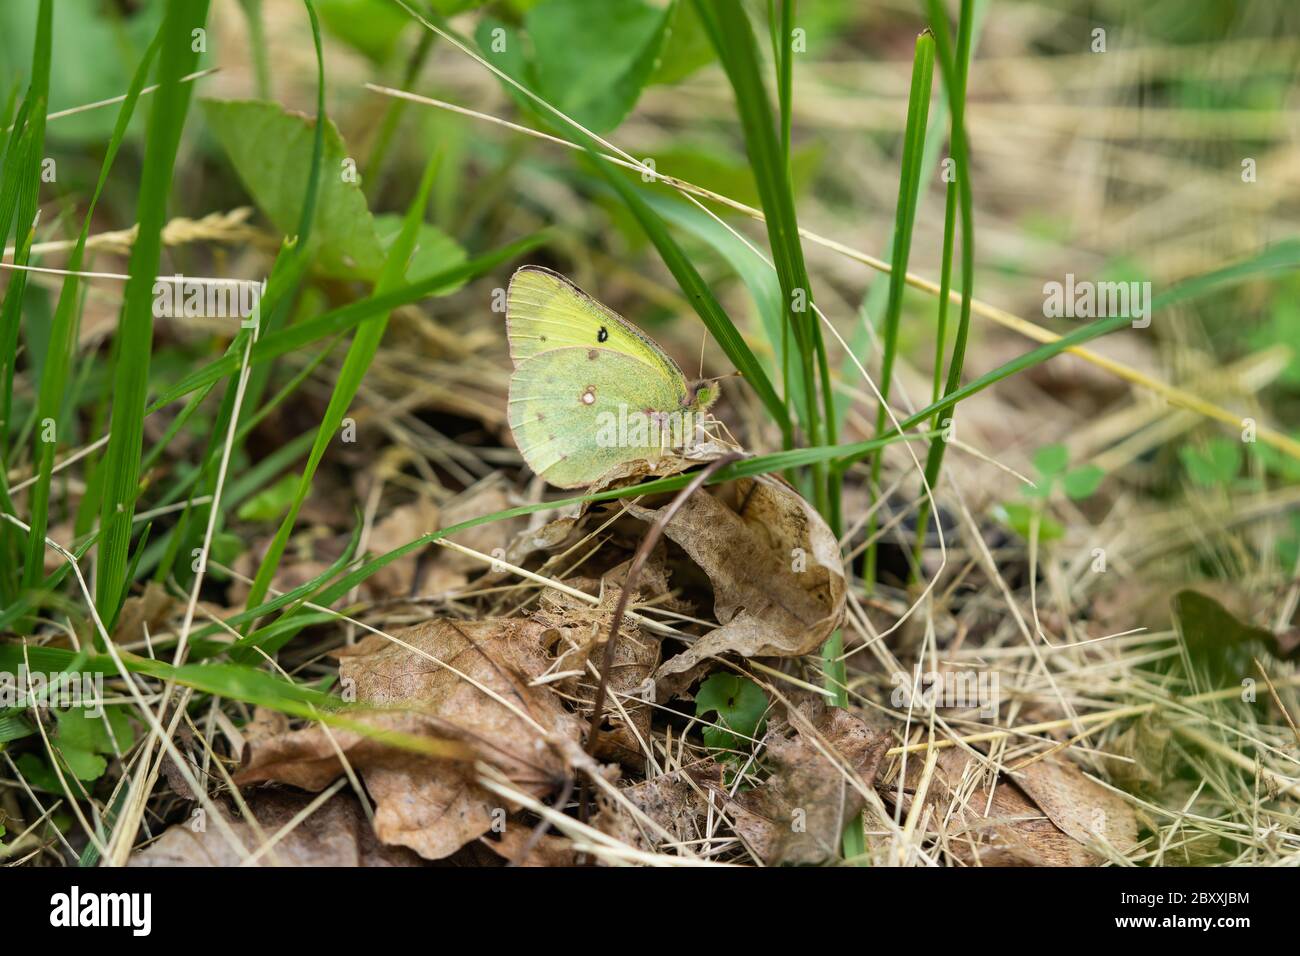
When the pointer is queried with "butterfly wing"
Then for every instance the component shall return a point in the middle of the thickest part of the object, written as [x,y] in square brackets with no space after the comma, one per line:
[574,412]
[544,311]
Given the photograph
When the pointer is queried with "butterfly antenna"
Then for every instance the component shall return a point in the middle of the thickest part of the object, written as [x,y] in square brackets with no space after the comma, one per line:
[704,339]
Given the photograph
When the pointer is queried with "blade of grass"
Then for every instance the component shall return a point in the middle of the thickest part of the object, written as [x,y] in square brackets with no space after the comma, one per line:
[909,186]
[60,353]
[286,274]
[135,327]
[730,31]
[19,195]
[955,68]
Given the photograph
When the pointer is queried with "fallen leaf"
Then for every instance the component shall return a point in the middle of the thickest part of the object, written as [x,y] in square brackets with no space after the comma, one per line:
[1078,805]
[548,851]
[578,632]
[778,583]
[334,834]
[1010,826]
[1217,639]
[461,681]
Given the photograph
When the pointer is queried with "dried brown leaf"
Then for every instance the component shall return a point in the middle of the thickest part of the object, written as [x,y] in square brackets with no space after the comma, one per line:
[466,682]
[335,834]
[775,567]
[399,527]
[1013,825]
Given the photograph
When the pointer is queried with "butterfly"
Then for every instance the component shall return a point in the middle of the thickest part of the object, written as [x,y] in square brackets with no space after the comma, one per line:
[590,390]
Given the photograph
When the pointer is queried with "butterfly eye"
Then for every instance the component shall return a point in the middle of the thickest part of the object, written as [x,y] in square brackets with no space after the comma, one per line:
[602,335]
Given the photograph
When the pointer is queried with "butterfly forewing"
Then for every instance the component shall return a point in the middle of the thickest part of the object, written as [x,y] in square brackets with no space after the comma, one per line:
[577,412]
[545,311]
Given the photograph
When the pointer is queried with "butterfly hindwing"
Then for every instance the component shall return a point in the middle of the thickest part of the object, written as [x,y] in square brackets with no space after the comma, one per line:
[574,412]
[545,311]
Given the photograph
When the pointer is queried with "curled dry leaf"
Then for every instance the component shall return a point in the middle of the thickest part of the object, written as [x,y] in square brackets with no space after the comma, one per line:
[799,812]
[334,834]
[778,583]
[1051,816]
[462,682]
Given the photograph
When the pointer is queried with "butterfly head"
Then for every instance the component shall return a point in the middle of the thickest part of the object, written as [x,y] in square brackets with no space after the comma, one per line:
[703,392]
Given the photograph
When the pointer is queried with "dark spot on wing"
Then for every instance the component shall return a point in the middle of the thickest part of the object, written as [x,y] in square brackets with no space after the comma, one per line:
[540,416]
[541,338]
[593,353]
[602,335]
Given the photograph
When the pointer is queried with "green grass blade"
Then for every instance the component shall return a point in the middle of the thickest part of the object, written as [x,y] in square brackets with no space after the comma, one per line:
[135,327]
[63,331]
[729,29]
[909,187]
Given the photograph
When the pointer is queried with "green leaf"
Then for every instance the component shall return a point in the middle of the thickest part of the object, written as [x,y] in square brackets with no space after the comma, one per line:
[370,27]
[81,731]
[14,727]
[1276,461]
[271,502]
[269,148]
[95,49]
[83,764]
[1051,460]
[1213,466]
[38,774]
[1019,517]
[593,59]
[740,705]
[435,251]
[1214,637]
[502,46]
[686,50]
[1082,481]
